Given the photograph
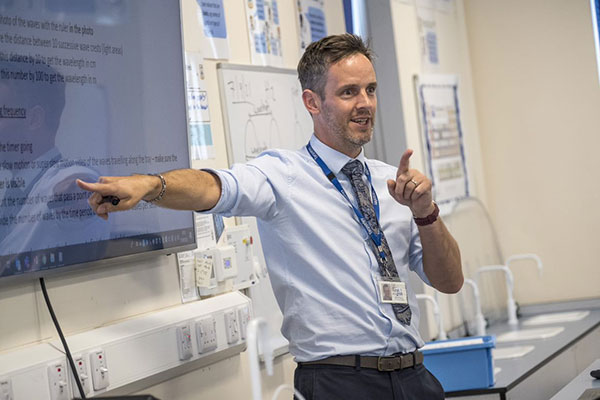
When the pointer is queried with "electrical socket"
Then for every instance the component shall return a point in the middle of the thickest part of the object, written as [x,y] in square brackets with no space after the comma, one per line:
[232,329]
[244,317]
[81,365]
[206,334]
[184,341]
[99,368]
[6,392]
[58,381]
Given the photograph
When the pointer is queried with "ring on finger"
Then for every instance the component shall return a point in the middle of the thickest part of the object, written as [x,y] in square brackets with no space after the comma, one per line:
[414,182]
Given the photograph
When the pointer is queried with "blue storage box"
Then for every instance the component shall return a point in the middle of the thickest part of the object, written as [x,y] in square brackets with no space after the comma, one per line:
[461,364]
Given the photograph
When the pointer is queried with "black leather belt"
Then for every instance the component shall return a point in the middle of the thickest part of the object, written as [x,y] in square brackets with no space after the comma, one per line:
[383,364]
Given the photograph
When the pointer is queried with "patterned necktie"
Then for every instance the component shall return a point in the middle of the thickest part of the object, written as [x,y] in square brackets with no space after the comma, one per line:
[354,171]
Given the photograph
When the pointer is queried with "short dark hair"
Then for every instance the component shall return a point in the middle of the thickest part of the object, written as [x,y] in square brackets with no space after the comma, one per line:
[320,55]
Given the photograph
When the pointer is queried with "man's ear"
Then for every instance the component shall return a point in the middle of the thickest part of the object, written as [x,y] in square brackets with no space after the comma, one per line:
[312,101]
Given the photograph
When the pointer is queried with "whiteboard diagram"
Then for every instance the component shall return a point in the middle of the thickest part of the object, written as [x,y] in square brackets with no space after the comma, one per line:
[262,109]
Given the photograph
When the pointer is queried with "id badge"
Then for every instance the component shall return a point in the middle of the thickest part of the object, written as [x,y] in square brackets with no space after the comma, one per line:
[392,291]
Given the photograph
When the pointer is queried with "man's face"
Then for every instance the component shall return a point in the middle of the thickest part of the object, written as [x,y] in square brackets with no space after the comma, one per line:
[348,110]
[387,291]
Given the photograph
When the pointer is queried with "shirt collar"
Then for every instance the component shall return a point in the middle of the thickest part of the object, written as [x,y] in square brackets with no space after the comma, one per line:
[333,158]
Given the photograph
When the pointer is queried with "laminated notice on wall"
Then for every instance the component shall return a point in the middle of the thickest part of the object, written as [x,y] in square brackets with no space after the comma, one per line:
[428,38]
[311,22]
[200,134]
[264,32]
[442,135]
[211,17]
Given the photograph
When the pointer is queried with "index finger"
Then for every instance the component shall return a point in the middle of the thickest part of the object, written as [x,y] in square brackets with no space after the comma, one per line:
[101,188]
[404,162]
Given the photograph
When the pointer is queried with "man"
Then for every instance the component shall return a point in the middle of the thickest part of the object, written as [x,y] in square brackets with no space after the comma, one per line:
[335,228]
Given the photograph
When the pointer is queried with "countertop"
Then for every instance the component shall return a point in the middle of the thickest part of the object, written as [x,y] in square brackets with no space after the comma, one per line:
[514,371]
[580,384]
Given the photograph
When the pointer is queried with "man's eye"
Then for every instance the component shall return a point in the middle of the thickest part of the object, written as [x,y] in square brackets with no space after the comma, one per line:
[371,90]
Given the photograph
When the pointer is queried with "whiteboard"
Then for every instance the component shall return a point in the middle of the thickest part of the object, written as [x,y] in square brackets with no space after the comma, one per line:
[262,109]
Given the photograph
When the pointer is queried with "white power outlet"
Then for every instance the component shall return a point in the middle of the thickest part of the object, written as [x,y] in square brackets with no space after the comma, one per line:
[244,317]
[99,369]
[206,334]
[57,379]
[81,365]
[6,392]
[184,341]
[231,326]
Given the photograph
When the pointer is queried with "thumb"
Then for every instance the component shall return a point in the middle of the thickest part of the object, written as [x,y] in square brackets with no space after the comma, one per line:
[391,184]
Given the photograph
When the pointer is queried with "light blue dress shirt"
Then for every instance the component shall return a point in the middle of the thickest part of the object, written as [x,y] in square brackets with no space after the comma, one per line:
[322,268]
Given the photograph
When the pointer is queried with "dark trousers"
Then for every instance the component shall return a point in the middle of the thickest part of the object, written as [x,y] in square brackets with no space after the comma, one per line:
[330,382]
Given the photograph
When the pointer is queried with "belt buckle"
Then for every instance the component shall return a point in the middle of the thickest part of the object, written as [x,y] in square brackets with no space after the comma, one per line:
[388,364]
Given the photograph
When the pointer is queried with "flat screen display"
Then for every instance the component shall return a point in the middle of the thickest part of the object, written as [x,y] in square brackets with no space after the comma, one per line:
[88,88]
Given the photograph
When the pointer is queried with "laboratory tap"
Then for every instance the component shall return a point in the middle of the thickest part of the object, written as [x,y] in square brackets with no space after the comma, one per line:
[510,281]
[527,256]
[479,319]
[436,314]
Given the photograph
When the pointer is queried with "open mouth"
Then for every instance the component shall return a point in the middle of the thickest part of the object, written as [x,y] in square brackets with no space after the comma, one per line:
[361,121]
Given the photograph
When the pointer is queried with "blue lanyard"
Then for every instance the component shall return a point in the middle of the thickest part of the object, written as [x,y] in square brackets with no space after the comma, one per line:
[376,238]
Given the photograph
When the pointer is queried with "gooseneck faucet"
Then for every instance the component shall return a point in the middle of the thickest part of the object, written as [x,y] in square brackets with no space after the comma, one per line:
[479,319]
[436,314]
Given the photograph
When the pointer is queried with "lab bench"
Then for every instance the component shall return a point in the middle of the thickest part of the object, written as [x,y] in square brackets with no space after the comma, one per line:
[582,382]
[553,362]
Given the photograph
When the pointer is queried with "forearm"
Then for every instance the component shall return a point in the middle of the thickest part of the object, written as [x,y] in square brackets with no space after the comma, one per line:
[441,257]
[186,189]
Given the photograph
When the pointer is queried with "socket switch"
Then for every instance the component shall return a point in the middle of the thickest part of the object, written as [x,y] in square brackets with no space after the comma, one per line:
[57,379]
[6,392]
[206,334]
[232,328]
[244,317]
[99,369]
[184,341]
[81,365]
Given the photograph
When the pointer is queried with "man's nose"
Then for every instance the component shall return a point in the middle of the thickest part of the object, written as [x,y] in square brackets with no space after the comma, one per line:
[366,100]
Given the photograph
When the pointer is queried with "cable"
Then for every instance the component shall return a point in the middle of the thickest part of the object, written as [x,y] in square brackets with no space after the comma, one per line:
[62,339]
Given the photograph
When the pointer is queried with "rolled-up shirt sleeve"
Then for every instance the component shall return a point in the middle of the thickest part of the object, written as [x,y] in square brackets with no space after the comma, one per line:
[245,191]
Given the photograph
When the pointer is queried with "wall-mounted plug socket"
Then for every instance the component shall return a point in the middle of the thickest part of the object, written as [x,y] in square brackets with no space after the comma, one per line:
[6,392]
[206,334]
[232,329]
[57,379]
[244,318]
[99,368]
[81,365]
[184,341]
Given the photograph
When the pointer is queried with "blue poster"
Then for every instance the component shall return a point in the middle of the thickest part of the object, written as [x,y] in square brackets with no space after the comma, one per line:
[213,17]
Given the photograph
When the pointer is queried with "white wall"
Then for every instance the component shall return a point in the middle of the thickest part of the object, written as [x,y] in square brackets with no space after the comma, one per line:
[454,60]
[87,300]
[537,93]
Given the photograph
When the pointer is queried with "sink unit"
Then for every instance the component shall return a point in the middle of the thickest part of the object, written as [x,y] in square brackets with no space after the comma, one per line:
[530,334]
[501,353]
[556,318]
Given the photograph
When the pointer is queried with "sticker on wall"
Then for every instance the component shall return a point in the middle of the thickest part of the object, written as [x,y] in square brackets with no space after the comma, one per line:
[442,136]
[264,32]
[311,22]
[211,17]
[200,139]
